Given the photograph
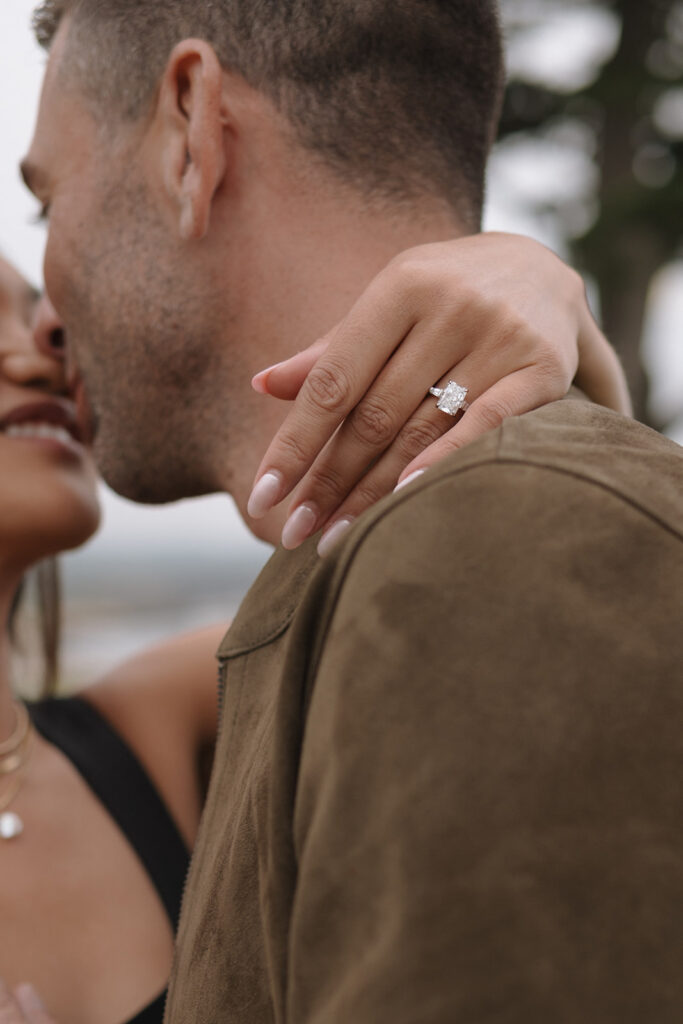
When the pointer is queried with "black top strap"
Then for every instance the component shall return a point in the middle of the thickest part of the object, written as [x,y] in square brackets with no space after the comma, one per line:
[152,1014]
[117,778]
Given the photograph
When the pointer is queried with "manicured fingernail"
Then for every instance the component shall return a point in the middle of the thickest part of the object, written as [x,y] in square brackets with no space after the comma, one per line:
[408,480]
[265,494]
[29,1000]
[331,536]
[260,381]
[299,526]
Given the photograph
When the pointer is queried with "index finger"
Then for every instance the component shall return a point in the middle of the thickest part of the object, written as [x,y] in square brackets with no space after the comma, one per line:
[336,383]
[32,1005]
[10,1011]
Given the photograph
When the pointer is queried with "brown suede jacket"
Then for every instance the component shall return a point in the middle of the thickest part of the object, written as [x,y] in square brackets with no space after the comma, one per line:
[448,781]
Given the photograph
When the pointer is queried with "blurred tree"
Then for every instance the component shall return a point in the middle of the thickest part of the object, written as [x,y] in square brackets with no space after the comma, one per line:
[626,110]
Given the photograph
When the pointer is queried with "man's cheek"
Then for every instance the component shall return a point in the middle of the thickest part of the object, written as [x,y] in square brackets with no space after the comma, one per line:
[55,270]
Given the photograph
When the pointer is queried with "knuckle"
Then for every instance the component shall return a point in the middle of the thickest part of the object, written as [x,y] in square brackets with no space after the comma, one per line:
[545,355]
[368,493]
[328,387]
[576,285]
[476,302]
[412,273]
[480,310]
[551,361]
[416,437]
[491,413]
[514,330]
[291,449]
[326,484]
[554,372]
[372,423]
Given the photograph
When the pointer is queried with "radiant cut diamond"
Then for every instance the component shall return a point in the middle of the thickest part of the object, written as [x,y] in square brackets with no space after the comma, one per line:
[11,825]
[453,398]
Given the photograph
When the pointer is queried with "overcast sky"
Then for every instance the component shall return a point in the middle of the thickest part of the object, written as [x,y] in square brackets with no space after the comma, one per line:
[209,521]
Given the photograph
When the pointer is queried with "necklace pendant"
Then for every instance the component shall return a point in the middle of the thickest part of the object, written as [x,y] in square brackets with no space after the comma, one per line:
[11,825]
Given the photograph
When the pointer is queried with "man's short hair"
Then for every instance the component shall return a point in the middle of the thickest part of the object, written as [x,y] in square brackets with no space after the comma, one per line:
[399,97]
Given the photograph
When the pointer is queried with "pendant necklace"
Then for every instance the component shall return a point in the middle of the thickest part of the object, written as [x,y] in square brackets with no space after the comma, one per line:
[14,755]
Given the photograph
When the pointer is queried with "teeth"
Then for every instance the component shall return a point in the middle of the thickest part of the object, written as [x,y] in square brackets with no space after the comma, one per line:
[51,430]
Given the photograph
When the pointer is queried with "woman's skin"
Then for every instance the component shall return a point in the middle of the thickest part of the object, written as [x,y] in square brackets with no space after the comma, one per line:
[80,918]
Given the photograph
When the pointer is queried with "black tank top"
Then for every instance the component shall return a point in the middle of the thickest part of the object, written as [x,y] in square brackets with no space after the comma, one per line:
[119,781]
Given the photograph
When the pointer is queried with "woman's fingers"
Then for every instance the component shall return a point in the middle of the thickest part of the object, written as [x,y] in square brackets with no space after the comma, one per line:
[426,440]
[395,421]
[513,396]
[32,1005]
[23,1006]
[335,384]
[600,374]
[494,306]
[284,380]
[464,298]
[366,433]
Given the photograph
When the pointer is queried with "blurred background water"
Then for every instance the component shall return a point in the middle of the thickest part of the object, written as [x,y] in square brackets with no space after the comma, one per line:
[588,161]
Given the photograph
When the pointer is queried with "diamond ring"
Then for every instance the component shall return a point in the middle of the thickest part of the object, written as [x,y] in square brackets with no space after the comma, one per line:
[452,398]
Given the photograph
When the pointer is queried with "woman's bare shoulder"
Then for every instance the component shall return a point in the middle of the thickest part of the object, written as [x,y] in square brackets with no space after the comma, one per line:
[176,678]
[164,704]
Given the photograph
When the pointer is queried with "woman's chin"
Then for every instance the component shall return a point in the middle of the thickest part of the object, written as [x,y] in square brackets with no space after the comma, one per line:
[58,524]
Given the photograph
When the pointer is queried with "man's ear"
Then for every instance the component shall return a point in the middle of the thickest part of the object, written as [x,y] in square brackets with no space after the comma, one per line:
[191,133]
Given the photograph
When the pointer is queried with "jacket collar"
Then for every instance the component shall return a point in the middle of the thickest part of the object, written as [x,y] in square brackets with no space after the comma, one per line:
[269,607]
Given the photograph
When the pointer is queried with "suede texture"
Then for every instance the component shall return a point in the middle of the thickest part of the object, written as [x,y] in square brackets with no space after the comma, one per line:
[447,788]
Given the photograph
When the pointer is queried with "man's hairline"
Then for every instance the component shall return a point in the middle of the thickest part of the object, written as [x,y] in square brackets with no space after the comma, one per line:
[417,190]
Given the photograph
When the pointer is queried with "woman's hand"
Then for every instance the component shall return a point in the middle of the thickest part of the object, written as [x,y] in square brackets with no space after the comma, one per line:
[499,314]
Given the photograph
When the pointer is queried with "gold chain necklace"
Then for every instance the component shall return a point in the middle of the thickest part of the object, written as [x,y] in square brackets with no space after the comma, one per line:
[14,754]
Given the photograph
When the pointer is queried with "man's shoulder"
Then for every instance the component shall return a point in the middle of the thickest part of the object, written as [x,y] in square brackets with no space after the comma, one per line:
[573,448]
[570,492]
[554,536]
[568,482]
[599,447]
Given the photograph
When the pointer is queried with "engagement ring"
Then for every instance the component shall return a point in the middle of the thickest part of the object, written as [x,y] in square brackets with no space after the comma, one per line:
[452,398]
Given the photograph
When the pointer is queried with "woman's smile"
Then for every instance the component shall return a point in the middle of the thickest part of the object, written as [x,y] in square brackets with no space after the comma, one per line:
[53,425]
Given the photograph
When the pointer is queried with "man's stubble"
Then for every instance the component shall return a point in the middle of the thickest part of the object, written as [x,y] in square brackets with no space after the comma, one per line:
[148,333]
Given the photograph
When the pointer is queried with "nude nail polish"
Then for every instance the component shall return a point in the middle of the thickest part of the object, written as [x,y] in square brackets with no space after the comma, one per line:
[408,480]
[260,381]
[300,525]
[333,535]
[265,494]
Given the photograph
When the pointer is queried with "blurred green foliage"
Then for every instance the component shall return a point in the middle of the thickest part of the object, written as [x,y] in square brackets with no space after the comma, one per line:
[627,113]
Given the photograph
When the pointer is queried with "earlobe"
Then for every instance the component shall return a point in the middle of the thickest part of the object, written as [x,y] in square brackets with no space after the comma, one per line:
[195,205]
[192,126]
[194,217]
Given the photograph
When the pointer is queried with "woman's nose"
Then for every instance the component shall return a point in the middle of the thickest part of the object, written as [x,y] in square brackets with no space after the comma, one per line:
[36,357]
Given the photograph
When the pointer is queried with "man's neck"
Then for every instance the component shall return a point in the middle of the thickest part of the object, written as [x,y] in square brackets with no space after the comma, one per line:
[312,271]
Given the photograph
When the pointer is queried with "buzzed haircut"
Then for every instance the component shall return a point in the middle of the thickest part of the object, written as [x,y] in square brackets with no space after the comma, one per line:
[399,97]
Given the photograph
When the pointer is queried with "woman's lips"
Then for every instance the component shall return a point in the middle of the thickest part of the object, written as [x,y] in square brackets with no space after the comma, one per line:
[52,424]
[53,413]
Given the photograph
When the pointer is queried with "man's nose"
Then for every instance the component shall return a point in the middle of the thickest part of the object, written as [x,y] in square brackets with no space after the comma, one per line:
[48,331]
